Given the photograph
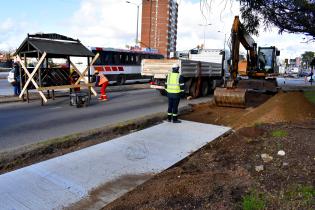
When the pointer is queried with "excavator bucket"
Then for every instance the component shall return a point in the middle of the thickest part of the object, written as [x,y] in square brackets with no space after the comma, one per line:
[232,97]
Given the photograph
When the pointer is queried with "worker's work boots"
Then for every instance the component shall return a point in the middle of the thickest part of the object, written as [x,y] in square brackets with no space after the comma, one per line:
[175,120]
[169,118]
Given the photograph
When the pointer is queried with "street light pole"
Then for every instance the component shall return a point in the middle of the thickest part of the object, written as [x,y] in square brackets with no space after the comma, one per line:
[137,24]
[138,5]
[224,39]
[204,32]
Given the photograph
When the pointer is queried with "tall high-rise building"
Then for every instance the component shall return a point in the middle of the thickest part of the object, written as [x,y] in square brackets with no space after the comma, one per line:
[159,25]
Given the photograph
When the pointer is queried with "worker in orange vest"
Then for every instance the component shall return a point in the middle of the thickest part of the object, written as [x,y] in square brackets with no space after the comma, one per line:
[102,81]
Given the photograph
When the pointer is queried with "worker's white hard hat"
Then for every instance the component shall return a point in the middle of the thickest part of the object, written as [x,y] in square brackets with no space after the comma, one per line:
[175,66]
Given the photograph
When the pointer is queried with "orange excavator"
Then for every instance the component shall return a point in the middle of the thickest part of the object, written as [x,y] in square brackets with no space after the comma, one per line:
[258,70]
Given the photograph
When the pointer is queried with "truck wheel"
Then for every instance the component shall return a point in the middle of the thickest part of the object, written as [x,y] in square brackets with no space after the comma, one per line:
[212,86]
[163,92]
[205,88]
[192,89]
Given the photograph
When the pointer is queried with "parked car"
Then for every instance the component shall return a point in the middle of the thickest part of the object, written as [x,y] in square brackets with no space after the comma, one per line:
[303,74]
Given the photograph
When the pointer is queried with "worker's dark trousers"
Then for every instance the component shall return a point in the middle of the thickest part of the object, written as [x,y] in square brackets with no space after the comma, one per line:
[173,101]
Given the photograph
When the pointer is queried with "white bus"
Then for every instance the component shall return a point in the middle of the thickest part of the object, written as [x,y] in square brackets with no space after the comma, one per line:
[120,65]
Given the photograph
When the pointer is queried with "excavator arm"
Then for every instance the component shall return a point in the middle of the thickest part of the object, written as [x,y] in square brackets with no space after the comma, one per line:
[240,36]
[232,96]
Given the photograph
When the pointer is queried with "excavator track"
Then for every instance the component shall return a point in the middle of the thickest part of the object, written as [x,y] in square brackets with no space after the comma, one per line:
[231,97]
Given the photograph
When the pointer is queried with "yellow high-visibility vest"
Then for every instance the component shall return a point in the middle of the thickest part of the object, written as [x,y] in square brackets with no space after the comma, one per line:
[173,83]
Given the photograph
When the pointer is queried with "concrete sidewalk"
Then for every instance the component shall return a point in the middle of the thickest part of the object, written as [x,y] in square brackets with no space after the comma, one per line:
[65,180]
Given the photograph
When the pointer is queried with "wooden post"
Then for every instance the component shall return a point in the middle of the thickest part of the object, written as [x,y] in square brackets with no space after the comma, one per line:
[89,77]
[86,69]
[89,71]
[47,69]
[70,75]
[20,69]
[40,76]
[27,95]
[85,81]
[31,79]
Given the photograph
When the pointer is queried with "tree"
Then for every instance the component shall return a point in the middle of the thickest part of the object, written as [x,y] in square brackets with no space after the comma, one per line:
[307,57]
[292,16]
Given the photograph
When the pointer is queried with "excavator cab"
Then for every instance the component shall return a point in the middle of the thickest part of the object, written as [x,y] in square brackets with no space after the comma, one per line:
[267,59]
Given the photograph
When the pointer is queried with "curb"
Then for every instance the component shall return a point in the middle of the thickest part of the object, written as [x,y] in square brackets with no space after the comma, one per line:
[27,155]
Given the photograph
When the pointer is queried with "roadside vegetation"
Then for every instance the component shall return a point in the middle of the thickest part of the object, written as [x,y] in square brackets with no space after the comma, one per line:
[310,95]
[279,133]
[253,201]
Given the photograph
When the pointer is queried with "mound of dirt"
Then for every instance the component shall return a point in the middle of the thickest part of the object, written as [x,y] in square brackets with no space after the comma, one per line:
[283,107]
[211,114]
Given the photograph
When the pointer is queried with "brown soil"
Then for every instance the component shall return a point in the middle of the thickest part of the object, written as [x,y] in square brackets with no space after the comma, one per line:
[222,174]
[284,107]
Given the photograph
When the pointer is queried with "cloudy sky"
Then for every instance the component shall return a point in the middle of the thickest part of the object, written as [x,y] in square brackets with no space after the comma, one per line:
[112,23]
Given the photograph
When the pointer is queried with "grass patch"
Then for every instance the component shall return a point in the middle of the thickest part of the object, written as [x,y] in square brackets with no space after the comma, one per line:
[279,133]
[310,95]
[258,124]
[302,193]
[253,201]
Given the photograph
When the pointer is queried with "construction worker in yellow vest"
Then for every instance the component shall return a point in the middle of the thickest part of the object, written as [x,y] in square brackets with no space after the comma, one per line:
[174,89]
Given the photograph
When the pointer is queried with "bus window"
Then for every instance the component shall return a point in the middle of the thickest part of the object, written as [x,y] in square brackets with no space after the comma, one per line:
[138,60]
[120,59]
[127,59]
[123,58]
[132,59]
[99,59]
[108,58]
[116,60]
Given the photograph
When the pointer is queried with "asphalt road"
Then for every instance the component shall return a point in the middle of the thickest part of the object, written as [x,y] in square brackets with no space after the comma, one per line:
[292,82]
[5,87]
[22,123]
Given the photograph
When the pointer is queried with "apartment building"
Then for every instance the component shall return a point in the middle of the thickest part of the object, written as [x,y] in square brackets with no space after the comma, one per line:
[159,25]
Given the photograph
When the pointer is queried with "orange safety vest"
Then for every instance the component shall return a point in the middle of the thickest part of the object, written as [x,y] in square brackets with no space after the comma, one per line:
[103,79]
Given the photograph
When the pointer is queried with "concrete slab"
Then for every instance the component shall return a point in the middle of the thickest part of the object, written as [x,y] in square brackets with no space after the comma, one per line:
[62,181]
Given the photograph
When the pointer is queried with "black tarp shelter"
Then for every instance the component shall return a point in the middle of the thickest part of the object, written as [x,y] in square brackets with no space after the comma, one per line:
[42,76]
